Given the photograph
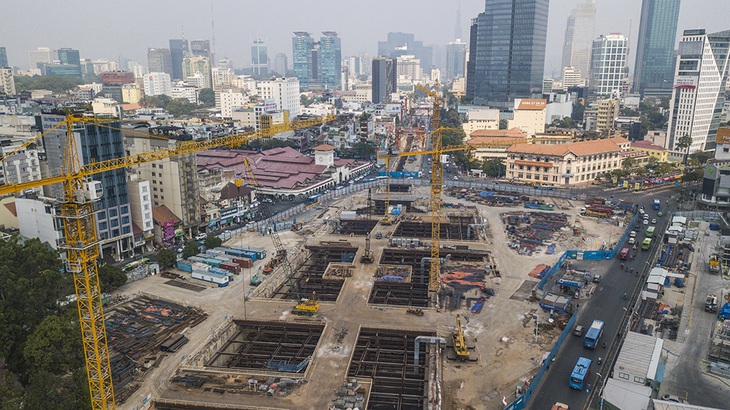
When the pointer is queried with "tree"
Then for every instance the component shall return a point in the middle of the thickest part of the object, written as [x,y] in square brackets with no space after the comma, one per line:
[694,175]
[53,83]
[652,162]
[577,114]
[360,150]
[212,242]
[628,163]
[207,97]
[684,142]
[565,122]
[111,277]
[180,107]
[699,158]
[166,258]
[191,249]
[494,167]
[159,101]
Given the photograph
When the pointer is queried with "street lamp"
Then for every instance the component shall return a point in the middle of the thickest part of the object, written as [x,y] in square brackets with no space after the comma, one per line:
[600,394]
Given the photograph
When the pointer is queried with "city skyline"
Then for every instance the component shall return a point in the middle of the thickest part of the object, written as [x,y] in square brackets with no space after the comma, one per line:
[232,36]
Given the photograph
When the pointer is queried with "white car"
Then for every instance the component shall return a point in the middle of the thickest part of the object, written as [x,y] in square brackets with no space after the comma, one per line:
[653,221]
[200,237]
[632,234]
[632,240]
[646,222]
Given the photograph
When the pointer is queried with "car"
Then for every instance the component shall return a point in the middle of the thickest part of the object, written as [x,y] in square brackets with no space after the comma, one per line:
[672,398]
[578,331]
[632,240]
[660,214]
[646,222]
[632,234]
[201,237]
[596,278]
[653,221]
[456,178]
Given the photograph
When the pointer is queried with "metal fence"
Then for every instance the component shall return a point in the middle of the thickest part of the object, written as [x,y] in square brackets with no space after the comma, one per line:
[521,401]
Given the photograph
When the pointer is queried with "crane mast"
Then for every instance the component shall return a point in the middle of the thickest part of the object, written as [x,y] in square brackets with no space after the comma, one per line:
[81,239]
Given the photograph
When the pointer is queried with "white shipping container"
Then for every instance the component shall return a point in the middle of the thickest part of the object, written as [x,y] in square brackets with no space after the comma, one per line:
[211,277]
[348,215]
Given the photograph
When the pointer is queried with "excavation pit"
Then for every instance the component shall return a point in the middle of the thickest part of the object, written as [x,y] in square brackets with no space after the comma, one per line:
[265,347]
[310,277]
[386,357]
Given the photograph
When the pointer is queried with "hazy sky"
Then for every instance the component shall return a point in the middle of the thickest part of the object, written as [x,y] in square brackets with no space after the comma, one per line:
[110,29]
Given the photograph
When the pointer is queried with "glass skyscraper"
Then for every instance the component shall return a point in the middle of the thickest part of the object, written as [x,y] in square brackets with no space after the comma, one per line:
[302,50]
[330,60]
[178,49]
[654,70]
[579,36]
[507,51]
[259,57]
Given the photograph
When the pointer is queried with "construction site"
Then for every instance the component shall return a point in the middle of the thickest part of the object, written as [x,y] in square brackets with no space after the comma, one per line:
[354,322]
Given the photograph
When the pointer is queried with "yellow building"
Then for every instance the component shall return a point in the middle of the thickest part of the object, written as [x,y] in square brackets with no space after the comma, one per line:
[652,150]
[608,111]
[564,164]
[131,94]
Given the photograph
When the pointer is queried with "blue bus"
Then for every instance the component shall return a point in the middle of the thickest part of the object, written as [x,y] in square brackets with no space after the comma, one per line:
[593,334]
[580,373]
[313,199]
[657,204]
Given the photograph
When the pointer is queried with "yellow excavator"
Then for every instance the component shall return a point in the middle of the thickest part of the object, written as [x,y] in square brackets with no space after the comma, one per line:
[460,348]
[307,307]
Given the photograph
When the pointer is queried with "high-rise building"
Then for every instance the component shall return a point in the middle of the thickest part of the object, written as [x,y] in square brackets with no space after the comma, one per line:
[159,60]
[572,77]
[700,80]
[200,48]
[507,52]
[385,79]
[653,71]
[281,64]
[609,69]
[117,77]
[69,56]
[330,60]
[579,35]
[7,81]
[4,57]
[284,92]
[178,49]
[157,84]
[193,65]
[222,77]
[41,55]
[409,67]
[304,56]
[95,143]
[455,59]
[259,57]
[400,44]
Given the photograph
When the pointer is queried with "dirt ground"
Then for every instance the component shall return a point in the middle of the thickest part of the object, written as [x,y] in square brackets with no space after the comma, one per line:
[502,334]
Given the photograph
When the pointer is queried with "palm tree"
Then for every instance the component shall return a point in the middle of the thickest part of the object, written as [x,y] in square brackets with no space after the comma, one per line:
[684,142]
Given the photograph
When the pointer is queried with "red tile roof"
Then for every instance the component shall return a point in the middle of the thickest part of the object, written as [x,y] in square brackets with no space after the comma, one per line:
[581,148]
[644,144]
[324,147]
[162,214]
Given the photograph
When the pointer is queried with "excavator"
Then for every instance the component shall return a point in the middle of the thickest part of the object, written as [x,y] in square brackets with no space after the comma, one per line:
[307,307]
[460,348]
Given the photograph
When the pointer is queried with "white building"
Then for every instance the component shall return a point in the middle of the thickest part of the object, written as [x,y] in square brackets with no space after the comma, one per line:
[222,77]
[106,107]
[284,91]
[7,81]
[37,219]
[137,68]
[529,116]
[408,67]
[572,77]
[19,167]
[182,90]
[157,84]
[40,55]
[230,99]
[560,105]
[140,205]
[480,118]
[699,82]
[609,69]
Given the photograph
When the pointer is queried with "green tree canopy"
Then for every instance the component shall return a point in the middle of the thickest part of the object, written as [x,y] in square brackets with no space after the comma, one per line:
[166,258]
[494,167]
[212,242]
[191,249]
[47,82]
[207,97]
[111,277]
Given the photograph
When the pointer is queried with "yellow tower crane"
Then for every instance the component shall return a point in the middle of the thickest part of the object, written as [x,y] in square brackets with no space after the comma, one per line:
[81,241]
[435,198]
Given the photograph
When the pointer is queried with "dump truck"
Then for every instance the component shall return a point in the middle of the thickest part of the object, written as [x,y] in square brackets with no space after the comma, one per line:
[714,263]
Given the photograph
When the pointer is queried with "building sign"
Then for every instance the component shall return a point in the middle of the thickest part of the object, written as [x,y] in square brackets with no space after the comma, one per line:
[685,82]
[723,135]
